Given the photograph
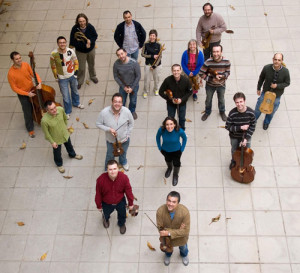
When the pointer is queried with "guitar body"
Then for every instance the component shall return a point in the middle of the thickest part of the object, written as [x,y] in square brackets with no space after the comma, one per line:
[267,105]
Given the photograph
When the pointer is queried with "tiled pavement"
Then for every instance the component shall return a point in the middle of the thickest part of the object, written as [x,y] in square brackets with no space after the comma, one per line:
[259,227]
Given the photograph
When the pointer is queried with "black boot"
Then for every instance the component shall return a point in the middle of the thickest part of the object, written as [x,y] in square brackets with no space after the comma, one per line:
[169,170]
[175,176]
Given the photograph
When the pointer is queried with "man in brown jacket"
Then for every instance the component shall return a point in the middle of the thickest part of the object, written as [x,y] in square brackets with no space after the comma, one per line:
[174,220]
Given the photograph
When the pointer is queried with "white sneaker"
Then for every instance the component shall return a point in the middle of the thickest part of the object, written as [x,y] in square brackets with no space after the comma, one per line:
[185,260]
[68,116]
[80,106]
[145,95]
[156,93]
[126,167]
[167,260]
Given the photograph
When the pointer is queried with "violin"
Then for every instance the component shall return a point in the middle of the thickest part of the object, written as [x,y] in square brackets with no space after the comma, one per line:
[118,149]
[212,72]
[165,243]
[134,211]
[206,40]
[243,171]
[42,95]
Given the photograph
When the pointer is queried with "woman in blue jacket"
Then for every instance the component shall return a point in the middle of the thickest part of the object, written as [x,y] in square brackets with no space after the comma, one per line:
[171,147]
[191,62]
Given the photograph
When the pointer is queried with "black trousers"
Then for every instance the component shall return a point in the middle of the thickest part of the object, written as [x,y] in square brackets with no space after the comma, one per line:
[172,157]
[208,51]
[27,110]
[57,152]
[121,209]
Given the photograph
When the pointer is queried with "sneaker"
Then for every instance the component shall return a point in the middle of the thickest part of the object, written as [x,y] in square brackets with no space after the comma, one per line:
[195,98]
[185,260]
[223,116]
[78,86]
[94,80]
[156,93]
[79,157]
[105,223]
[80,106]
[167,260]
[126,167]
[31,134]
[61,169]
[123,229]
[68,116]
[145,95]
[204,117]
[135,116]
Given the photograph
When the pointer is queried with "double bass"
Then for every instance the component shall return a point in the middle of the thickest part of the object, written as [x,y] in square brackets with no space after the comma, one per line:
[243,171]
[42,95]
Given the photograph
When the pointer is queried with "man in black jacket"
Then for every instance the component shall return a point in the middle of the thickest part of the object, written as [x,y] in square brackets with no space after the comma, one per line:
[130,35]
[181,90]
[83,37]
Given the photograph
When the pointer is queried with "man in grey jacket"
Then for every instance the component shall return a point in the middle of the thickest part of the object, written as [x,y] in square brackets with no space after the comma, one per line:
[127,74]
[117,122]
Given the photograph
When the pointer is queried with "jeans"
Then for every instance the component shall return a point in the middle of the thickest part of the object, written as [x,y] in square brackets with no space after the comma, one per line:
[84,58]
[208,51]
[147,77]
[134,55]
[210,90]
[172,111]
[27,111]
[132,97]
[64,89]
[235,143]
[110,154]
[268,117]
[121,209]
[172,157]
[182,249]
[57,152]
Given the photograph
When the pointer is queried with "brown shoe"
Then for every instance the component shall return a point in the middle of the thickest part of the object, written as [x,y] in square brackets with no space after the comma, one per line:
[123,229]
[204,117]
[135,116]
[105,223]
[95,80]
[223,116]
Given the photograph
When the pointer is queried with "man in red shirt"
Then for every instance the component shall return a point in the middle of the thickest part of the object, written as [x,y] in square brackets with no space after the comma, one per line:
[110,189]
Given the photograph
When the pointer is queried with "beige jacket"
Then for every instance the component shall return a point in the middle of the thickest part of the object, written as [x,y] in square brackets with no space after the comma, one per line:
[179,237]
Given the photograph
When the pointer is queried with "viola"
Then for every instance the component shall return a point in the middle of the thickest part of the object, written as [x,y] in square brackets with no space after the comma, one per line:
[243,171]
[42,95]
[165,243]
[118,149]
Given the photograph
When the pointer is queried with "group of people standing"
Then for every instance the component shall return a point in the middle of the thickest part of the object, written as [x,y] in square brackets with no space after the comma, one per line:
[68,65]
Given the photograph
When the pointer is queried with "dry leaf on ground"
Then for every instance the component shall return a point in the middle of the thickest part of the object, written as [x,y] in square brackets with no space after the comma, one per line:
[20,224]
[71,129]
[165,181]
[171,25]
[265,14]
[85,125]
[7,25]
[23,146]
[67,176]
[77,119]
[150,246]
[43,257]
[87,82]
[147,6]
[232,7]
[91,101]
[215,219]
[188,120]
[88,4]
[141,166]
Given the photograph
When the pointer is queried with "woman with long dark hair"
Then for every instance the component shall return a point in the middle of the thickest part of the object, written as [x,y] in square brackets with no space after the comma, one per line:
[171,147]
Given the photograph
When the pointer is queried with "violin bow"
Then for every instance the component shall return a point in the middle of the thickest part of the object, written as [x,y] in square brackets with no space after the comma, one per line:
[106,228]
[151,221]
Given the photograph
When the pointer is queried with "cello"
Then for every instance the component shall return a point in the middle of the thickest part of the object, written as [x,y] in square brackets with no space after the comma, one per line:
[42,95]
[243,171]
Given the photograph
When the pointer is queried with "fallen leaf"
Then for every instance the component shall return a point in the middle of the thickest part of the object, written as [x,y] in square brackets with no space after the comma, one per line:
[165,181]
[77,119]
[171,25]
[147,6]
[221,126]
[85,125]
[232,7]
[227,218]
[67,176]
[87,82]
[122,170]
[265,14]
[23,146]
[7,4]
[28,44]
[96,46]
[229,31]
[91,101]
[20,224]
[203,112]
[3,11]
[63,16]
[7,25]
[215,219]
[43,257]
[71,129]
[113,30]
[188,120]
[88,4]
[150,246]
[141,166]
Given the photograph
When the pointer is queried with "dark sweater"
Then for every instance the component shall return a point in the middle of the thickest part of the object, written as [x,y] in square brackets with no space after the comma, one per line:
[266,78]
[120,33]
[181,89]
[90,33]
[148,52]
[237,119]
[171,140]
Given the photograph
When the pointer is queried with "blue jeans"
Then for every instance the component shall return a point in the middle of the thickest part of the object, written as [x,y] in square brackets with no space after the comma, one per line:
[64,89]
[134,55]
[182,249]
[268,117]
[121,209]
[210,90]
[110,154]
[132,97]
[172,111]
[235,143]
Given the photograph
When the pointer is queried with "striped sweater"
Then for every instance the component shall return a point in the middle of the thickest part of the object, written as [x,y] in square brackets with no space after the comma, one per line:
[237,119]
[222,68]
